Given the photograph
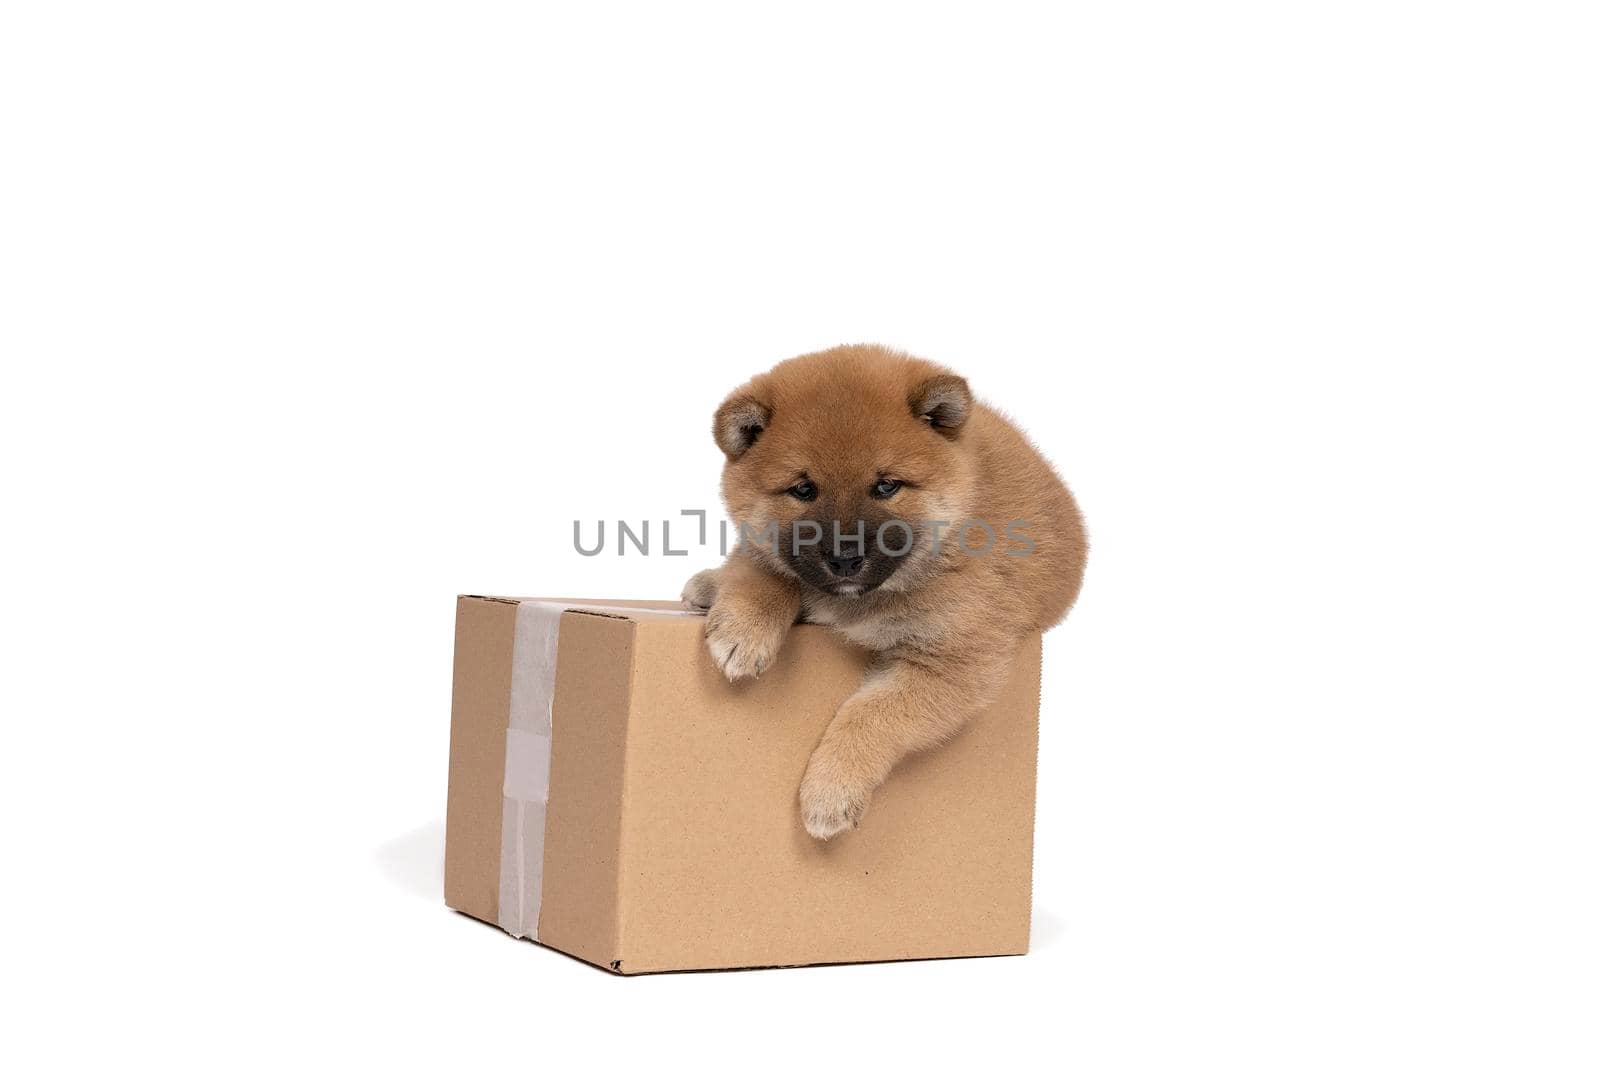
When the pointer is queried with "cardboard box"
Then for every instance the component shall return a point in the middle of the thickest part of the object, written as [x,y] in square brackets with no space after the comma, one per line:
[614,797]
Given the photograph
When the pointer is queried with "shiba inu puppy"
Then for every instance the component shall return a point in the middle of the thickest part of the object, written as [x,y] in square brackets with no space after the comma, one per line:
[876,496]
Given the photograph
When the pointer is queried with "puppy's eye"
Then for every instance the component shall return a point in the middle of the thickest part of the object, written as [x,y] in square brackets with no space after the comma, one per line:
[884,488]
[803,491]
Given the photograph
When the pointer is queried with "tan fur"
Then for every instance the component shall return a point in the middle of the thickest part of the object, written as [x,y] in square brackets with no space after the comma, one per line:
[944,624]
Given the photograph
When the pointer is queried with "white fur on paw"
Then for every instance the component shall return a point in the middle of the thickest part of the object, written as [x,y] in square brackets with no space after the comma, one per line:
[829,803]
[741,647]
[701,591]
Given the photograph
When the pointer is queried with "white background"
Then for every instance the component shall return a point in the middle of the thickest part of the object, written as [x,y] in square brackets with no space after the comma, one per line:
[314,315]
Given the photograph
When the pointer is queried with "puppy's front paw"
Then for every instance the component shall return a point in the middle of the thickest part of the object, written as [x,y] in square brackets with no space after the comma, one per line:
[832,798]
[742,643]
[701,591]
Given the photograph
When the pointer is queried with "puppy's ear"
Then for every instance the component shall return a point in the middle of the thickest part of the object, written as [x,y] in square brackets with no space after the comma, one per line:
[943,402]
[739,421]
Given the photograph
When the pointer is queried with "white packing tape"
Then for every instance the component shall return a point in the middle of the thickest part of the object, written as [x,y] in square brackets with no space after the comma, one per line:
[534,644]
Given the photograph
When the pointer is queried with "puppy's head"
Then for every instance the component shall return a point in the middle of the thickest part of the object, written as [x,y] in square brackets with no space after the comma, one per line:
[843,464]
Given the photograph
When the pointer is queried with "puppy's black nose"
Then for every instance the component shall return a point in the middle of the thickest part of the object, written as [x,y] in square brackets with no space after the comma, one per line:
[845,566]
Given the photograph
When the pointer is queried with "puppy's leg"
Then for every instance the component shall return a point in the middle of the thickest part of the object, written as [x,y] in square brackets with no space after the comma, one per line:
[903,706]
[751,612]
[701,591]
